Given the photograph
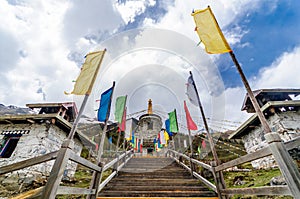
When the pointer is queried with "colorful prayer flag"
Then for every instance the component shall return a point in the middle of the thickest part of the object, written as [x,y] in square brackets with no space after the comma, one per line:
[191,91]
[88,74]
[166,135]
[189,121]
[167,124]
[119,108]
[162,137]
[209,32]
[203,144]
[110,139]
[173,121]
[199,149]
[122,126]
[128,128]
[105,102]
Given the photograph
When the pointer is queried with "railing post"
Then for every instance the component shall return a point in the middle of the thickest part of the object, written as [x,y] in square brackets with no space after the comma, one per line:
[285,162]
[218,179]
[124,159]
[191,165]
[97,182]
[115,167]
[57,171]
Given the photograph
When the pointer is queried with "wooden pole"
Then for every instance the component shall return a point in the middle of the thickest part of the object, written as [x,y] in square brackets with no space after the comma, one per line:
[64,153]
[96,175]
[210,139]
[220,180]
[287,167]
[191,155]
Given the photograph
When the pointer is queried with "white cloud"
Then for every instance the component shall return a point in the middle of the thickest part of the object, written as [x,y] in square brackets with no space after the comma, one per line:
[283,72]
[36,38]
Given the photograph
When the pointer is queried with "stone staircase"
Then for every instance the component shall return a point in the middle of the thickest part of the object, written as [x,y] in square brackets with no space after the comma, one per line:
[154,177]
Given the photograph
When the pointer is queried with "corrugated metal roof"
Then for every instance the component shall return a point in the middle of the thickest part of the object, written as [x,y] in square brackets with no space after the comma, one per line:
[11,132]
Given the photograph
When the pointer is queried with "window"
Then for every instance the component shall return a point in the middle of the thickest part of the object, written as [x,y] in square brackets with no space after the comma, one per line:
[8,145]
[150,125]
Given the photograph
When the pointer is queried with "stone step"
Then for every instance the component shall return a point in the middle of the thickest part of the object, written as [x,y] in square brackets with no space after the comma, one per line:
[176,193]
[126,187]
[138,197]
[154,177]
[162,181]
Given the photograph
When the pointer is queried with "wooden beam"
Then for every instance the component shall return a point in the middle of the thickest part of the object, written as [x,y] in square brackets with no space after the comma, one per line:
[76,158]
[267,190]
[74,190]
[246,158]
[31,121]
[28,162]
[102,185]
[205,181]
[56,173]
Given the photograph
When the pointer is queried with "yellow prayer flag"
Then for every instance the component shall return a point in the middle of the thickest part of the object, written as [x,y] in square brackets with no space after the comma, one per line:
[88,74]
[209,32]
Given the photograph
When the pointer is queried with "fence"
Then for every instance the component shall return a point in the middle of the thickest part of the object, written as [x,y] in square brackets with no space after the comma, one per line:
[53,188]
[225,192]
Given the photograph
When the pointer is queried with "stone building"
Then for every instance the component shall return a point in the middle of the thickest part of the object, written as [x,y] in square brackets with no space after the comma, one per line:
[30,135]
[149,126]
[283,116]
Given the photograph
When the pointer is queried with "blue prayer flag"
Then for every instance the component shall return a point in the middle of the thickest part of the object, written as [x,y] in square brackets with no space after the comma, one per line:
[167,124]
[105,102]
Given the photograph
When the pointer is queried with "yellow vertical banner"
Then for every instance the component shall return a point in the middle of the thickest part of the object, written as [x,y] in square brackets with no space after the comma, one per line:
[85,80]
[209,32]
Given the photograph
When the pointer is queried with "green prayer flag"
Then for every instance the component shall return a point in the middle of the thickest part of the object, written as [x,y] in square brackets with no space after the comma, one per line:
[173,121]
[199,149]
[119,109]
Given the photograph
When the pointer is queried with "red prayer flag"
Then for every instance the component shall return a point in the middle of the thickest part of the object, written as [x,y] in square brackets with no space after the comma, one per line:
[122,126]
[203,144]
[189,121]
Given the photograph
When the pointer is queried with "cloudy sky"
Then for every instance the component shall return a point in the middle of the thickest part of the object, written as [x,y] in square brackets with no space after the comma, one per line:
[151,46]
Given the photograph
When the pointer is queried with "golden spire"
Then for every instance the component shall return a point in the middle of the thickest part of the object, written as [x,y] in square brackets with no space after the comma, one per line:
[150,107]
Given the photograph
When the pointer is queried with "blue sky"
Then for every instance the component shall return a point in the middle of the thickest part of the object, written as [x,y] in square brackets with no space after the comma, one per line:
[43,44]
[271,32]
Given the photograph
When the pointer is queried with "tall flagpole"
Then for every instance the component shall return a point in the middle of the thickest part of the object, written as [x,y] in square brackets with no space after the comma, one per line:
[102,140]
[83,104]
[64,152]
[96,175]
[285,162]
[210,139]
[218,176]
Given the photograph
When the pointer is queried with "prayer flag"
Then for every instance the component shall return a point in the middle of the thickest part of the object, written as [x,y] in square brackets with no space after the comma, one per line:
[209,32]
[123,123]
[167,124]
[88,74]
[132,137]
[105,102]
[189,121]
[199,149]
[191,91]
[119,109]
[110,139]
[128,128]
[166,135]
[162,137]
[173,121]
[203,144]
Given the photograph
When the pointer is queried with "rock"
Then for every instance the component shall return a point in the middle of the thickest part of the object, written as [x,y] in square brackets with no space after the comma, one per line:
[238,180]
[278,180]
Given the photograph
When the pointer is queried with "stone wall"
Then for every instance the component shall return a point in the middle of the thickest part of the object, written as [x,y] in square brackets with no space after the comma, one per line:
[287,124]
[42,139]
